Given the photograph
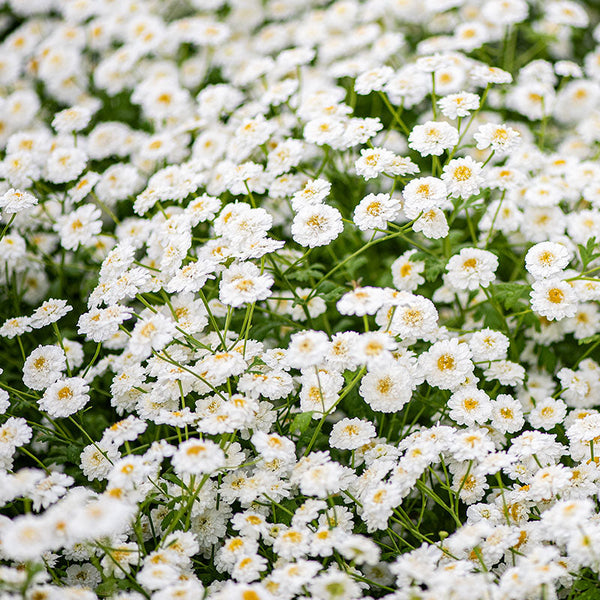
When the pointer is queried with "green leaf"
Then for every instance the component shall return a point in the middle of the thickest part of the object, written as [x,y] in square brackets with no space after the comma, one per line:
[106,588]
[509,294]
[330,292]
[355,265]
[434,266]
[589,340]
[305,274]
[301,422]
[587,253]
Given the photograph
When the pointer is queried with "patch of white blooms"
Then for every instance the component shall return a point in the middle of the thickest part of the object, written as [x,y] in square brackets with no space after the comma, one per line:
[277,420]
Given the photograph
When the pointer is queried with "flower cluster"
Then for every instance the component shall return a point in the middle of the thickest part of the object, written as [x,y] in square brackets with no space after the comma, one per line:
[299,299]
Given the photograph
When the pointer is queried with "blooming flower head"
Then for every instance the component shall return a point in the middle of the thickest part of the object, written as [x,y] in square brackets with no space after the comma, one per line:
[546,259]
[553,298]
[433,137]
[317,225]
[500,138]
[462,177]
[65,397]
[447,364]
[458,105]
[471,268]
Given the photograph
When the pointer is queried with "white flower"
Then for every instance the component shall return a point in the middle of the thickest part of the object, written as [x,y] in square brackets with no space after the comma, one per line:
[407,273]
[553,298]
[469,405]
[433,138]
[433,224]
[387,388]
[79,227]
[349,434]
[547,413]
[71,119]
[462,177]
[243,283]
[447,364]
[14,201]
[43,367]
[317,225]
[313,192]
[306,349]
[423,194]
[375,210]
[501,138]
[49,312]
[471,268]
[65,164]
[373,161]
[65,397]
[488,345]
[507,414]
[546,259]
[458,105]
[373,80]
[198,457]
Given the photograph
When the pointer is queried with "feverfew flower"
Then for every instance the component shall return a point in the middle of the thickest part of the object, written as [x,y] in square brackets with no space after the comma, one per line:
[433,138]
[15,326]
[488,345]
[317,225]
[306,349]
[471,268]
[433,224]
[553,298]
[462,177]
[406,272]
[546,259]
[500,138]
[72,119]
[349,434]
[547,413]
[79,227]
[458,105]
[447,364]
[243,283]
[313,192]
[43,367]
[14,201]
[469,405]
[423,194]
[507,414]
[65,164]
[373,161]
[49,312]
[373,80]
[65,397]
[196,457]
[375,210]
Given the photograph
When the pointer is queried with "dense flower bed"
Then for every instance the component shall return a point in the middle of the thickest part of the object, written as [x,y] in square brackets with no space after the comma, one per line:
[299,299]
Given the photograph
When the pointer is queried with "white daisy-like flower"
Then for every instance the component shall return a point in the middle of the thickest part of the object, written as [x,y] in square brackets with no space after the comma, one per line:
[447,364]
[14,201]
[375,210]
[462,177]
[317,225]
[500,138]
[547,259]
[197,457]
[433,138]
[349,434]
[471,268]
[553,298]
[65,397]
[458,105]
